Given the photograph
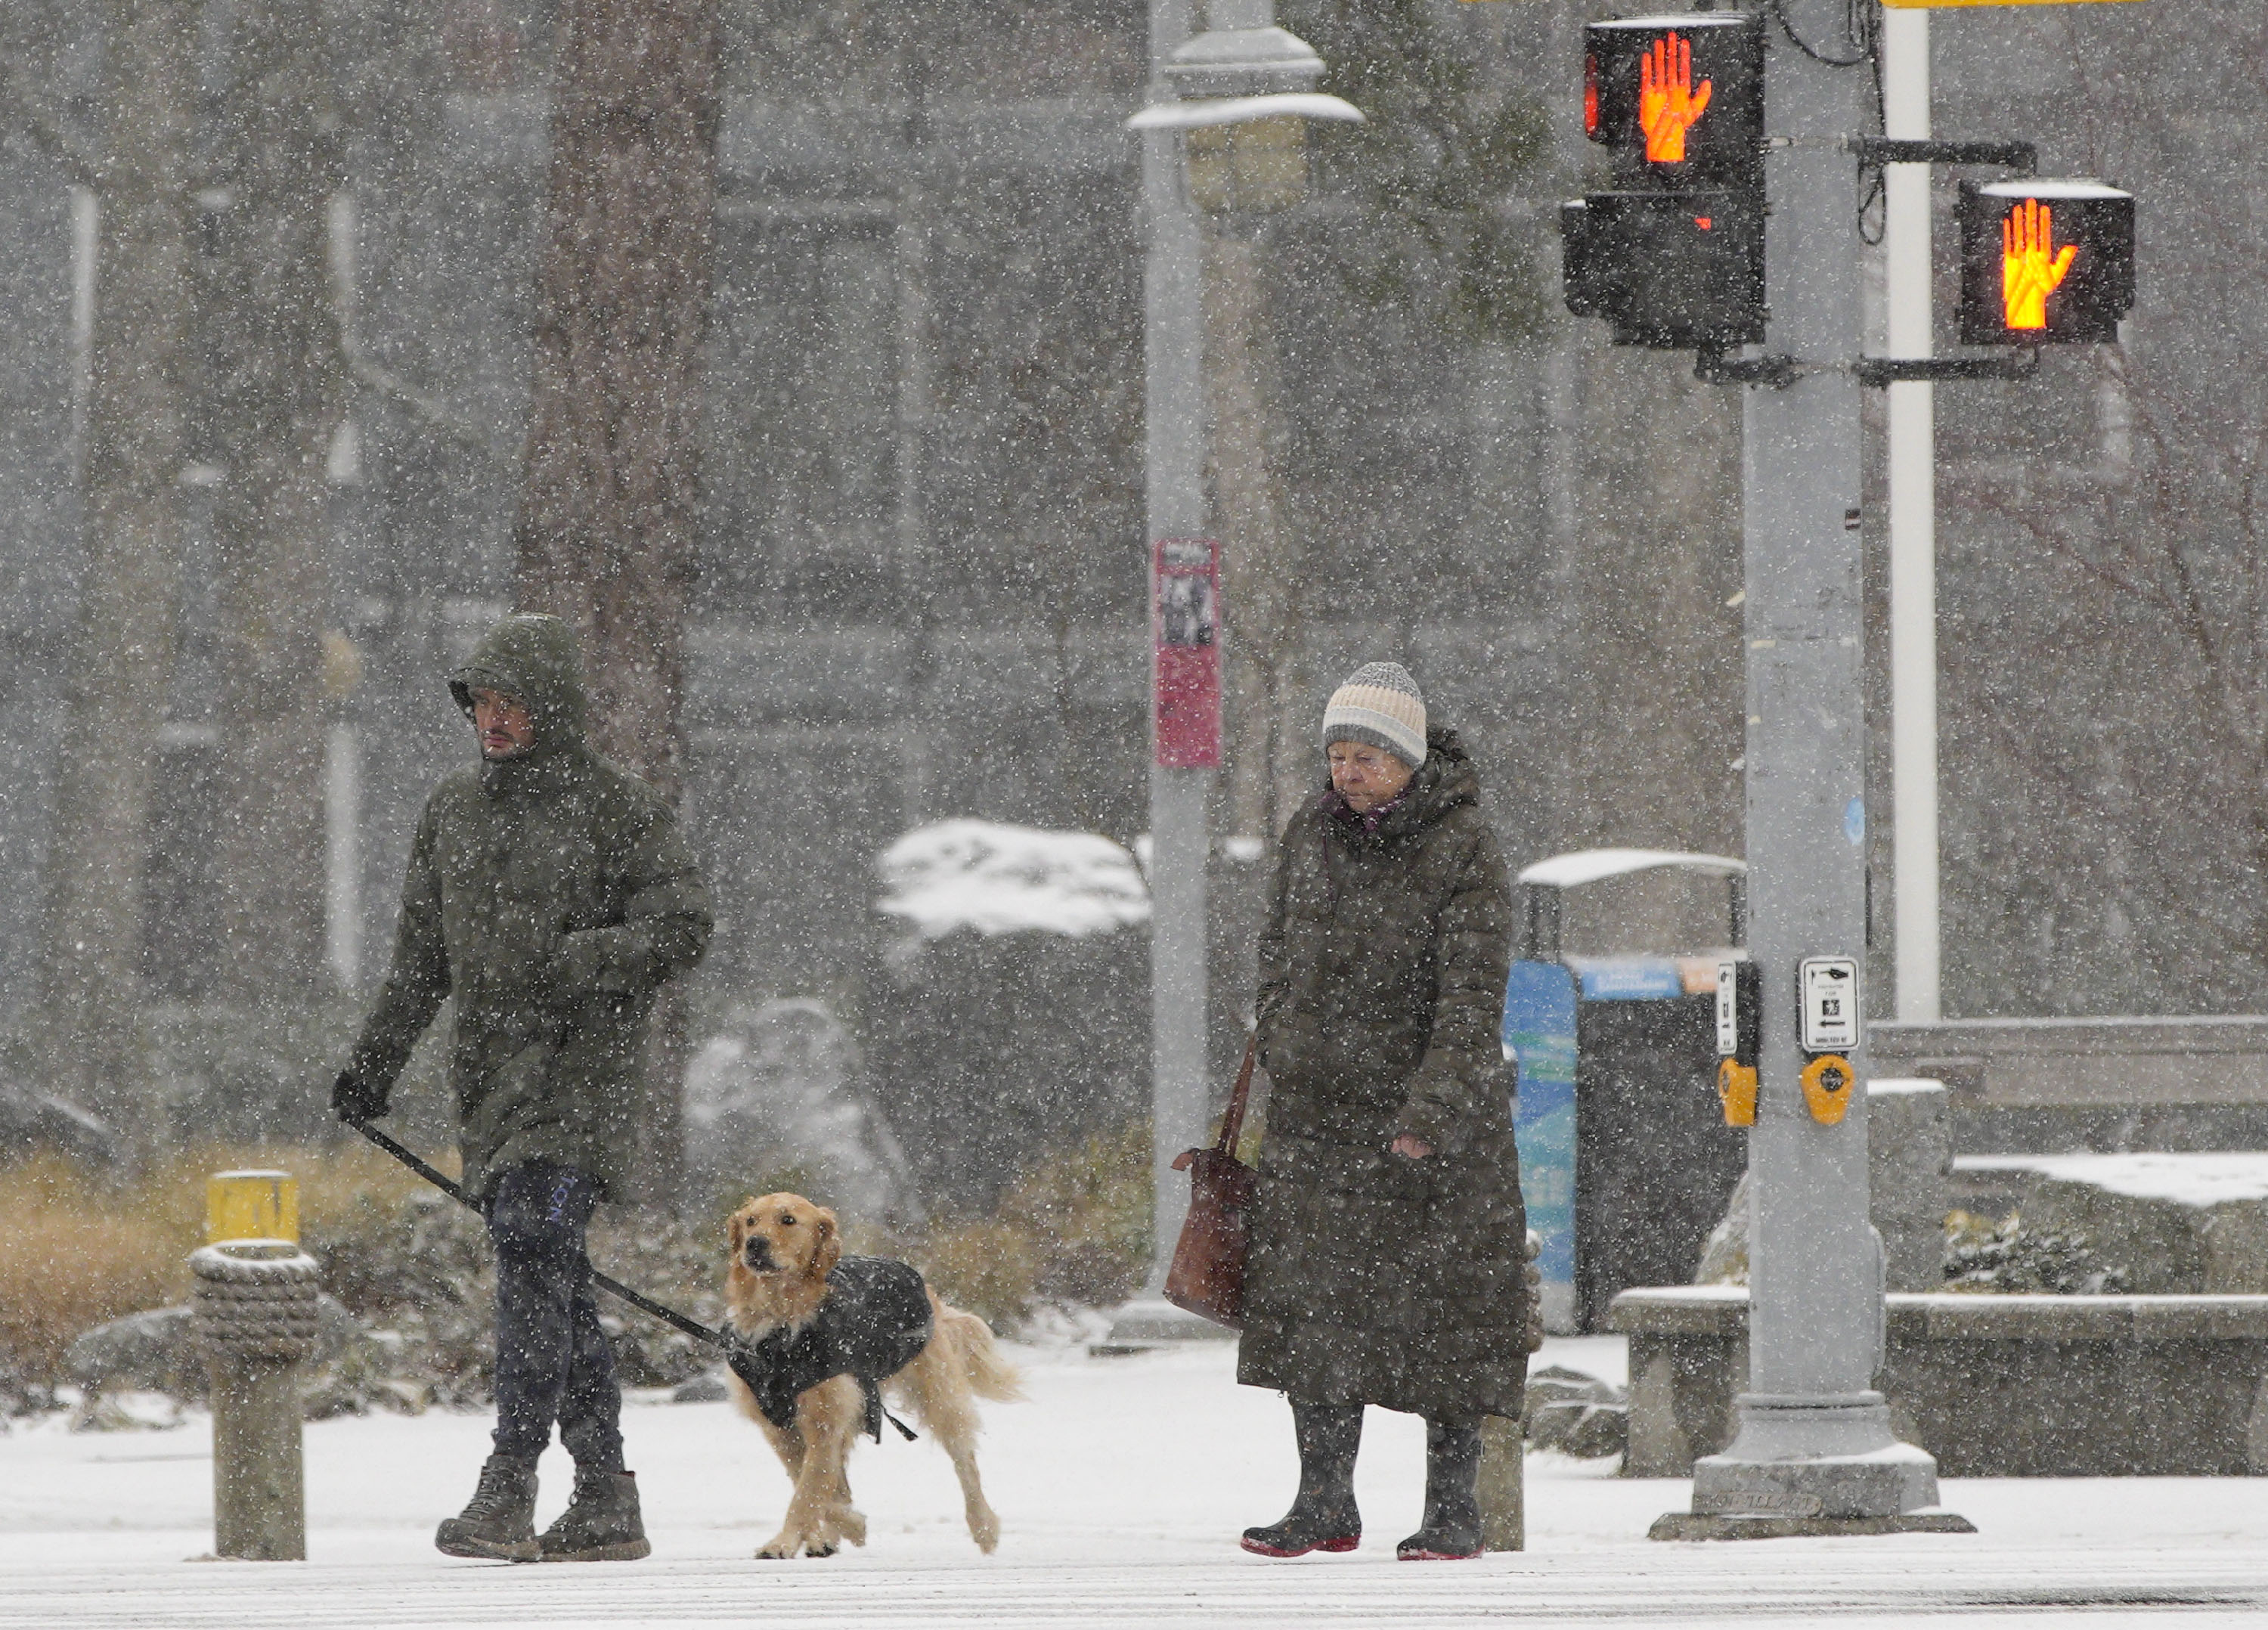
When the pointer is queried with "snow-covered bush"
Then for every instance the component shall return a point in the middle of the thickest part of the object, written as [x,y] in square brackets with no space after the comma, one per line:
[992,878]
[1007,1017]
[1984,1256]
[776,1098]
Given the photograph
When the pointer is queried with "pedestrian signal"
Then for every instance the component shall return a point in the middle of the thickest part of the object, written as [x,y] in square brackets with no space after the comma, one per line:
[2045,262]
[1682,97]
[1674,258]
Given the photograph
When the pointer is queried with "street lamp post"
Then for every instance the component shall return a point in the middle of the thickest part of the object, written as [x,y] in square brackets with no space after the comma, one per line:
[1233,101]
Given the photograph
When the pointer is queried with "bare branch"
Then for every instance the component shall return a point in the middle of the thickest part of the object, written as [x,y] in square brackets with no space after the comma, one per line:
[32,112]
[428,409]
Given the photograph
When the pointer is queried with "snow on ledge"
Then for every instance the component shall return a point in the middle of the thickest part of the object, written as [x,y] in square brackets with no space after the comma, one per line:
[2198,1180]
[1591,865]
[1686,1292]
[999,879]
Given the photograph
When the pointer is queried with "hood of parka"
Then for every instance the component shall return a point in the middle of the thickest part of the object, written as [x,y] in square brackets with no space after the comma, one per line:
[1445,780]
[533,657]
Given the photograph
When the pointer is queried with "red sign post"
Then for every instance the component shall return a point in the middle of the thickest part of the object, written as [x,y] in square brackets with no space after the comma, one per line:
[1185,666]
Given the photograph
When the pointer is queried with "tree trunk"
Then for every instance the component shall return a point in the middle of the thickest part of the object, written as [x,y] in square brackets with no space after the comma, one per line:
[277,396]
[1259,567]
[606,532]
[86,1022]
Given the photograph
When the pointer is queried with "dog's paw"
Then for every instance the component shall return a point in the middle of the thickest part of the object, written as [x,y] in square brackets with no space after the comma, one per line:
[848,1524]
[984,1529]
[784,1545]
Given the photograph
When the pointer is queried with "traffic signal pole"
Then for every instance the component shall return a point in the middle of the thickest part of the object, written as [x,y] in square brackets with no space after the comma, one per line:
[1815,1451]
[1733,222]
[1911,455]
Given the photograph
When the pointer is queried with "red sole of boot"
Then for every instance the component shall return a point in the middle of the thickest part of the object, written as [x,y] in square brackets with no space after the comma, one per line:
[1438,1556]
[1337,1547]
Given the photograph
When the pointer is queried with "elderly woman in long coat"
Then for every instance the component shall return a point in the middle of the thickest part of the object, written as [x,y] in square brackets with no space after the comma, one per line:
[1388,1237]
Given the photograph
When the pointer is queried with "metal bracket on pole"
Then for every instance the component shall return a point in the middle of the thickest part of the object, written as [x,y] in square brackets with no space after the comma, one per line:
[1880,371]
[2020,157]
[1714,367]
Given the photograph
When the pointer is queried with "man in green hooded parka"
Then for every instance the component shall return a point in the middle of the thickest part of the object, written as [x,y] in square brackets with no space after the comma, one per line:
[550,894]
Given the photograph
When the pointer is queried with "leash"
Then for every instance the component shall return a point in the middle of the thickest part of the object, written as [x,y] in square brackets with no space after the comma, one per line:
[725,1341]
[613,1286]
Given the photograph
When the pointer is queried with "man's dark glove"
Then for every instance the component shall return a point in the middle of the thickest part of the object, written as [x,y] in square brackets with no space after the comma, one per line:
[354,1098]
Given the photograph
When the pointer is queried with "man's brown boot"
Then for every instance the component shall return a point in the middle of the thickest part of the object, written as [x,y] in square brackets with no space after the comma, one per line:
[601,1523]
[500,1520]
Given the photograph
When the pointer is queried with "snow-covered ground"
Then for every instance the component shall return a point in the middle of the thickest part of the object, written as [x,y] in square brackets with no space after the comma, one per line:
[1122,1486]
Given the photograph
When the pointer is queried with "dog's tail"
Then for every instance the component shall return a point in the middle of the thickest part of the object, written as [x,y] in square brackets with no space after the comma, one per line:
[970,1340]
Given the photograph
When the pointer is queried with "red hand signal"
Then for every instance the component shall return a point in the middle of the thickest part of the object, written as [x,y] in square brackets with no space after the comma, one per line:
[2027,273]
[1667,103]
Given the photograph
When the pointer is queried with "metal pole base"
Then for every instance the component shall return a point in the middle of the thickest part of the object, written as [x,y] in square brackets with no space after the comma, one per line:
[1816,1459]
[1686,1525]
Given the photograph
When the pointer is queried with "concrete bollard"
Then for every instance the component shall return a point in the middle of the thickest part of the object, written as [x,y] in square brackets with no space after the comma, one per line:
[256,1321]
[1503,1486]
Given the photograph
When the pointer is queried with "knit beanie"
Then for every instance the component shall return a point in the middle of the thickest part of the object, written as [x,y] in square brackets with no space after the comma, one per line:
[1379,704]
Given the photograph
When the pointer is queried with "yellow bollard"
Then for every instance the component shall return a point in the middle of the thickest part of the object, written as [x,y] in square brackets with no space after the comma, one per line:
[256,1316]
[252,1205]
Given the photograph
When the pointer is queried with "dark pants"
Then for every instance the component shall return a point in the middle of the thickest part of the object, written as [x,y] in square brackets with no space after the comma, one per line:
[553,1362]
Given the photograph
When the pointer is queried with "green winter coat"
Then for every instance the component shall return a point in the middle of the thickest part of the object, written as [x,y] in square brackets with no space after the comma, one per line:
[1376,1278]
[551,894]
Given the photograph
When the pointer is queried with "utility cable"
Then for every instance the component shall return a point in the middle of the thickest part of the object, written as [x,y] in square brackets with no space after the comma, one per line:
[1857,28]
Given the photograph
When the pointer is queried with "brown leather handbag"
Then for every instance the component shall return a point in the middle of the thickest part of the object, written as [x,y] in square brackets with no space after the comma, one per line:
[1207,1278]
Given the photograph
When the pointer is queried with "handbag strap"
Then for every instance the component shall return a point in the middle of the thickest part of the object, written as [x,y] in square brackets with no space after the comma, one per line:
[1232,1125]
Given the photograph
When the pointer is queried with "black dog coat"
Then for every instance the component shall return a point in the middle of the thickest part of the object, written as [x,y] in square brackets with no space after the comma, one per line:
[875,1318]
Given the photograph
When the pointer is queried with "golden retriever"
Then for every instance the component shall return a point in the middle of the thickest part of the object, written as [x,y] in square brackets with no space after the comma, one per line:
[783,1247]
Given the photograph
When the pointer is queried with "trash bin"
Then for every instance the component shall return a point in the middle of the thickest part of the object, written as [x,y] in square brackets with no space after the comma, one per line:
[1625,1161]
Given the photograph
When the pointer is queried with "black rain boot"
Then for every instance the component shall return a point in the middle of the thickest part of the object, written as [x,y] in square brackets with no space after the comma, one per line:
[601,1523]
[500,1520]
[1324,1517]
[1451,1532]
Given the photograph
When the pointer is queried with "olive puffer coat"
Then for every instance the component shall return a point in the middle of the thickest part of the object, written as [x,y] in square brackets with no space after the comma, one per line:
[551,894]
[1374,1277]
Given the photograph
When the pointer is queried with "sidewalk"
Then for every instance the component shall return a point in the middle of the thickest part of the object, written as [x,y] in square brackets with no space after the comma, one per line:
[1121,1486]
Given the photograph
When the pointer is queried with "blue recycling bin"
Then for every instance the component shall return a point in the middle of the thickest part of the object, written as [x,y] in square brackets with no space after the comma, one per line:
[1625,1161]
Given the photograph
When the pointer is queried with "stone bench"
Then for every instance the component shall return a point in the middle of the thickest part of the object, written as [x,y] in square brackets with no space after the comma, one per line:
[1993,1386]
